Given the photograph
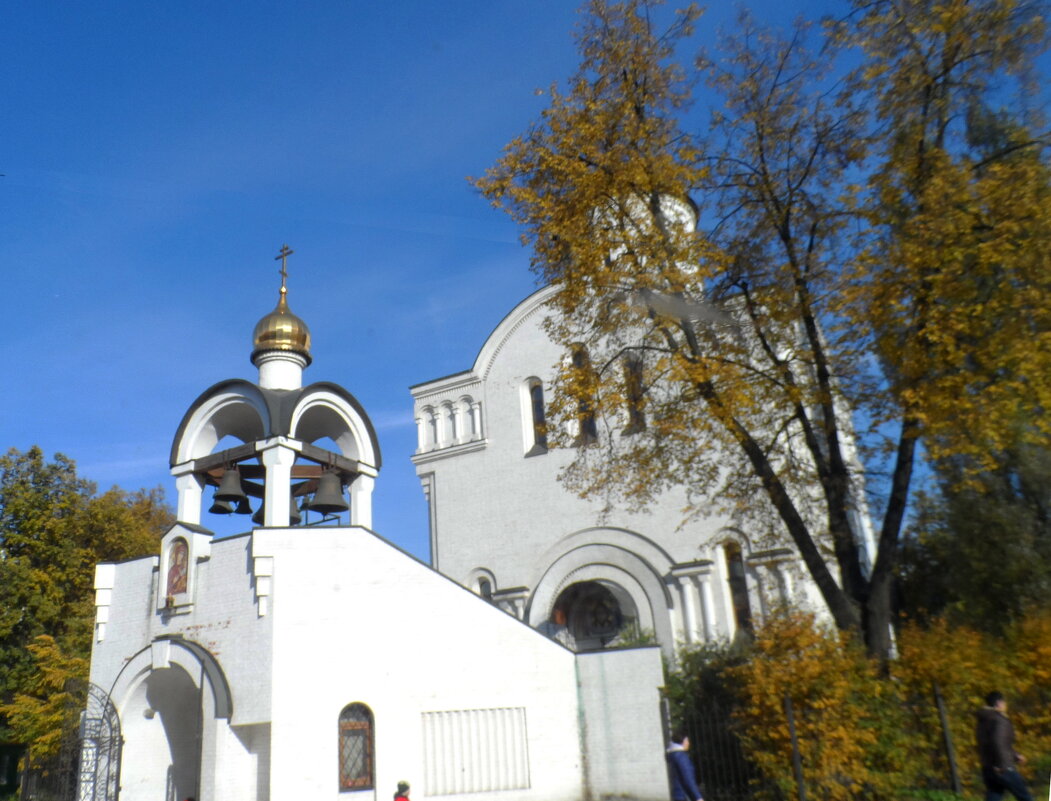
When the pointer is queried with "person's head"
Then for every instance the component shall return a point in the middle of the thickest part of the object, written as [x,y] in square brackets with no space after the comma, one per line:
[403,788]
[679,737]
[996,700]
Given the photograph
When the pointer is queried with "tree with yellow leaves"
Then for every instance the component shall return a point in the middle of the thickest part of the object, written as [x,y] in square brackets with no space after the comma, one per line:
[862,257]
[54,529]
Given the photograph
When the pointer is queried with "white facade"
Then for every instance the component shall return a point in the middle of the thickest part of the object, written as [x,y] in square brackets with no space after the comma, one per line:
[321,662]
[288,626]
[503,526]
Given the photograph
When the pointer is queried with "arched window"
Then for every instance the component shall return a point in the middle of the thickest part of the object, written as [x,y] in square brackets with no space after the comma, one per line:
[538,424]
[485,588]
[356,751]
[587,432]
[738,586]
[178,567]
[634,391]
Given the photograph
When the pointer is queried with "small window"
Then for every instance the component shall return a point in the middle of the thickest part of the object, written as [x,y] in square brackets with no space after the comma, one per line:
[485,589]
[587,431]
[634,391]
[356,748]
[536,405]
[738,586]
[178,567]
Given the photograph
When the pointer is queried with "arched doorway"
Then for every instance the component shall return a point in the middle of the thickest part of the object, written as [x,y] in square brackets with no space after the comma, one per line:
[597,614]
[162,725]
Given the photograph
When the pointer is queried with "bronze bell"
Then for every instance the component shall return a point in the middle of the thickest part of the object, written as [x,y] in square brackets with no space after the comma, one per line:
[243,507]
[294,517]
[230,487]
[329,496]
[221,507]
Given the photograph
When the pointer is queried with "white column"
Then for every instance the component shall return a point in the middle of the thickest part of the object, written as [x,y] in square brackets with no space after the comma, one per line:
[707,606]
[476,420]
[441,426]
[459,428]
[688,593]
[278,460]
[421,435]
[361,501]
[188,506]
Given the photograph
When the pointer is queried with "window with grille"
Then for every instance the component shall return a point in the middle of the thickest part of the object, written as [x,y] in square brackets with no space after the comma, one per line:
[355,748]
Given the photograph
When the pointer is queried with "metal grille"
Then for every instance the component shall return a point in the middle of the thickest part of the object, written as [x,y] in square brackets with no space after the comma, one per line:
[355,748]
[87,764]
[723,771]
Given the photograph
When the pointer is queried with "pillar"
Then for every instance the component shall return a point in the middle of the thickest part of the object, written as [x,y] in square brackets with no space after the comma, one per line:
[191,492]
[278,460]
[361,501]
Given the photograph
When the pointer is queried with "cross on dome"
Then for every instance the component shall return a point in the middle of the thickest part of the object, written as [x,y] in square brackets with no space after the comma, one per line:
[281,340]
[286,251]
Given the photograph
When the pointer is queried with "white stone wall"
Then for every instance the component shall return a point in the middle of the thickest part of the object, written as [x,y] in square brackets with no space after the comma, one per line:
[344,617]
[358,621]
[622,730]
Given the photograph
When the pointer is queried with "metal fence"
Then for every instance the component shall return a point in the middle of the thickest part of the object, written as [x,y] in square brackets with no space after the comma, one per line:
[726,774]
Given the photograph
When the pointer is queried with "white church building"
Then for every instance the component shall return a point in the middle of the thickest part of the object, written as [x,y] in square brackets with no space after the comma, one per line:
[503,526]
[273,665]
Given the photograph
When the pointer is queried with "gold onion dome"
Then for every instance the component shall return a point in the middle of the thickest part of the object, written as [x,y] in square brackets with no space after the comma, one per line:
[281,330]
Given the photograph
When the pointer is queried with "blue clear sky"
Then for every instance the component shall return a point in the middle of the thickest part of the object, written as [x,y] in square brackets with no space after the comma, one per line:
[157,155]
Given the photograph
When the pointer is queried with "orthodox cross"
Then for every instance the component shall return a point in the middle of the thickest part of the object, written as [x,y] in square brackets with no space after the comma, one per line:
[286,251]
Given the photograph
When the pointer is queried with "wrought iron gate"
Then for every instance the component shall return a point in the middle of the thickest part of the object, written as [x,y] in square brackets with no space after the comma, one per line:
[87,764]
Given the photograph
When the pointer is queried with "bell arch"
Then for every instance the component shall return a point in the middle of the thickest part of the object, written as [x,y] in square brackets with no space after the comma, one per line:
[322,411]
[234,408]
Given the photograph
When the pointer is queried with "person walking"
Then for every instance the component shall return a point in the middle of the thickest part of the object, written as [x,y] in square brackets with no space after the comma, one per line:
[680,769]
[995,737]
[403,792]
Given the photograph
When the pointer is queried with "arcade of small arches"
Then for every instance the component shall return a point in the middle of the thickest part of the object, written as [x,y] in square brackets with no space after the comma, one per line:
[449,423]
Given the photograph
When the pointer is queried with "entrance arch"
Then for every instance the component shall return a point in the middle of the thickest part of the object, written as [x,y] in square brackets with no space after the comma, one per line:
[175,707]
[162,731]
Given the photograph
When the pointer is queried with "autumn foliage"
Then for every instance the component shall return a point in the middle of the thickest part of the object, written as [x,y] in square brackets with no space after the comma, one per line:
[864,733]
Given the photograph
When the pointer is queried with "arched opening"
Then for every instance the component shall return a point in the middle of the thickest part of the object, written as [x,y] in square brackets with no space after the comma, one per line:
[594,615]
[162,730]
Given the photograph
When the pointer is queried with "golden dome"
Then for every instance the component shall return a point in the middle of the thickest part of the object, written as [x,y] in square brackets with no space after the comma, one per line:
[281,330]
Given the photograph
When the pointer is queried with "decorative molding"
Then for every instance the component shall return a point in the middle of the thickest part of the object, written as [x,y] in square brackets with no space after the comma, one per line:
[105,577]
[449,450]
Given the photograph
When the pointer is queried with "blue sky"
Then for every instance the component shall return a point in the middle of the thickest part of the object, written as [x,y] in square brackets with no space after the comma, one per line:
[157,155]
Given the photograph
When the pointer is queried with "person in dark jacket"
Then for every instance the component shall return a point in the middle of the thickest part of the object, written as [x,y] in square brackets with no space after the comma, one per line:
[995,737]
[680,769]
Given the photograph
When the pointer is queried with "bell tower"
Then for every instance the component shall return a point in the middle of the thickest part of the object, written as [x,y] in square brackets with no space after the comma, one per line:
[277,474]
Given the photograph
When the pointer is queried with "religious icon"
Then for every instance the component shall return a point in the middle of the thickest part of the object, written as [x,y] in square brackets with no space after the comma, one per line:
[178,561]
